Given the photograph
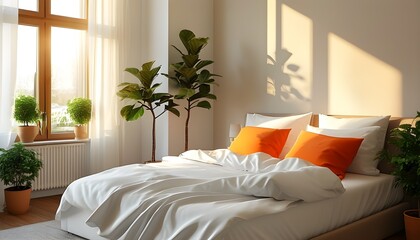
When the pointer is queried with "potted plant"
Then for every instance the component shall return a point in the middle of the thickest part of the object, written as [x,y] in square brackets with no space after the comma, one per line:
[406,160]
[26,112]
[191,79]
[80,111]
[145,98]
[18,168]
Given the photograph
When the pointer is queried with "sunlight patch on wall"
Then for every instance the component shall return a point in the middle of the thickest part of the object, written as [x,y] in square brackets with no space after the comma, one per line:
[292,80]
[359,83]
[297,38]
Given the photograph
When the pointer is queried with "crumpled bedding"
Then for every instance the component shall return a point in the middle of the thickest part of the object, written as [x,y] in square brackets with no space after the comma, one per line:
[198,195]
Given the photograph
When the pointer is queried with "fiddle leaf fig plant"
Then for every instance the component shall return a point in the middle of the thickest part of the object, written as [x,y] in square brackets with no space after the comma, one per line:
[406,139]
[192,80]
[144,98]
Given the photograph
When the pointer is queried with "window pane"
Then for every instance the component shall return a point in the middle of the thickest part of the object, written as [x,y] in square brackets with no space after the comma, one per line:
[68,73]
[31,5]
[69,8]
[27,60]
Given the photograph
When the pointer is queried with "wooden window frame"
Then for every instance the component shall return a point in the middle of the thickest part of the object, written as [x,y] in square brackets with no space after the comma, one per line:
[44,20]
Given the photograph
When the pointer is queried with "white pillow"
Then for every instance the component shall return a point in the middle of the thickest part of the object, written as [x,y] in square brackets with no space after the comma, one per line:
[296,123]
[365,161]
[351,123]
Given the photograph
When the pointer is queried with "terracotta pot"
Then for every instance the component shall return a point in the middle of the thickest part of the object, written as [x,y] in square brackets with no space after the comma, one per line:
[80,132]
[27,134]
[412,224]
[17,201]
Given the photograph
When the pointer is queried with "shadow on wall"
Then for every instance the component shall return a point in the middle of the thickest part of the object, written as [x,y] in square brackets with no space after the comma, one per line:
[280,82]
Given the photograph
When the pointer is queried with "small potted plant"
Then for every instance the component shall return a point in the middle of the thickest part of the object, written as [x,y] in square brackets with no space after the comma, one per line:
[19,166]
[26,112]
[80,111]
[406,160]
[143,97]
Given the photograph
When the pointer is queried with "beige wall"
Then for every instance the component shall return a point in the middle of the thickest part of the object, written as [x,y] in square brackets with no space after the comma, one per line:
[349,57]
[161,21]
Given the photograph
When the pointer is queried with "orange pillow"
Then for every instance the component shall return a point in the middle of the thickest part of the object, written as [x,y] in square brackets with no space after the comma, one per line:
[256,139]
[335,153]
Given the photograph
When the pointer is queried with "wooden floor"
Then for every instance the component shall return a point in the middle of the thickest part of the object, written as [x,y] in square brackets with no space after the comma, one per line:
[41,210]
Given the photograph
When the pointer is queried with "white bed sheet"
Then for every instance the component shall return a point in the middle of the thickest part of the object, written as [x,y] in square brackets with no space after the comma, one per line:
[364,195]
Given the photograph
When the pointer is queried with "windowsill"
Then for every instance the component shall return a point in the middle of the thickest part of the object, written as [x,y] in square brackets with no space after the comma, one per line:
[55,142]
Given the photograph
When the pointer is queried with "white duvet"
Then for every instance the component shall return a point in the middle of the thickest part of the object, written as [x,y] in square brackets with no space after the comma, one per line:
[198,195]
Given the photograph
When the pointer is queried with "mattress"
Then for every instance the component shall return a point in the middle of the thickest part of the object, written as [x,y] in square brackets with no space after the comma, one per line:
[364,196]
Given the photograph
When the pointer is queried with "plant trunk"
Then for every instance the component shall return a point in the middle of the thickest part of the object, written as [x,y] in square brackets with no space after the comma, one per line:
[153,135]
[187,121]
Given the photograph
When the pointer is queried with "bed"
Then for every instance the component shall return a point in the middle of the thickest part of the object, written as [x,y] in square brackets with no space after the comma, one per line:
[222,195]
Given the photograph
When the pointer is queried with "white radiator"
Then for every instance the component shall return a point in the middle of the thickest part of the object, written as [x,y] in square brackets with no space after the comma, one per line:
[62,164]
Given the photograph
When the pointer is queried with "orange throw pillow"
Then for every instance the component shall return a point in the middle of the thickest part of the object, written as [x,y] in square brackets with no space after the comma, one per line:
[256,139]
[335,153]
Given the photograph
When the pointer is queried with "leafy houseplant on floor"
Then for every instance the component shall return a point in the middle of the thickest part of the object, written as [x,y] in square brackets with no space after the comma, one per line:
[18,168]
[145,98]
[406,139]
[193,84]
[26,112]
[80,111]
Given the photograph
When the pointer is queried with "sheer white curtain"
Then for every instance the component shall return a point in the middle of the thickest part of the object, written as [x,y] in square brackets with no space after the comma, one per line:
[106,33]
[8,53]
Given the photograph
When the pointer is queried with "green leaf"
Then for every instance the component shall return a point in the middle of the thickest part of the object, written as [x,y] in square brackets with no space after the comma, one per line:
[197,95]
[185,92]
[186,35]
[204,104]
[133,71]
[203,76]
[130,113]
[203,63]
[161,97]
[147,66]
[190,60]
[126,110]
[147,76]
[188,73]
[196,44]
[178,50]
[204,88]
[130,91]
[174,111]
[171,108]
[156,85]
[211,96]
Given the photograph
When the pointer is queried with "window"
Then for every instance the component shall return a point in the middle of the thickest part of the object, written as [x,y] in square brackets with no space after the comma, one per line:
[52,59]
